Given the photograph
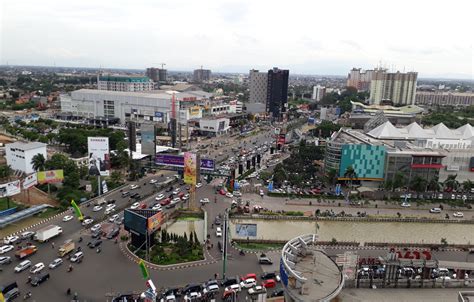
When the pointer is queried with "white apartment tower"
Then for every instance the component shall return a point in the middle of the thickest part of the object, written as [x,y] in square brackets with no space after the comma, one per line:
[258,86]
[124,83]
[396,87]
[318,92]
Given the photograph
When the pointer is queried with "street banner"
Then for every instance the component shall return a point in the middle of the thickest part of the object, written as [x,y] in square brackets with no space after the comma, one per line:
[10,189]
[99,157]
[154,222]
[29,181]
[178,161]
[105,189]
[190,168]
[52,176]
[148,139]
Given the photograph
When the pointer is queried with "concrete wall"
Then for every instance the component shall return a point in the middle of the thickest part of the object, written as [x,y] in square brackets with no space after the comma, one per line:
[360,231]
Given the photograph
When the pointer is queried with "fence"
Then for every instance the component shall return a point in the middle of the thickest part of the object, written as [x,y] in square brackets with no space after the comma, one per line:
[8,212]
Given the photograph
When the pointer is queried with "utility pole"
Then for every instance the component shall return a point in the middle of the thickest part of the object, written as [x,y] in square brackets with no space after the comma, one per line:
[224,245]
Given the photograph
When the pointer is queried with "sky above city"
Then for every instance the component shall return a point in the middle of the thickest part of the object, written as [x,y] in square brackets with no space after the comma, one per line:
[308,37]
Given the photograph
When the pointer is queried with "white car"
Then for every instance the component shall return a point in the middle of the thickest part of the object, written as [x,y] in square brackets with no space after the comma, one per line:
[185,197]
[219,232]
[5,260]
[27,235]
[67,218]
[6,248]
[176,191]
[133,187]
[96,208]
[135,205]
[237,194]
[198,185]
[213,288]
[204,200]
[458,214]
[176,200]
[228,194]
[56,262]
[22,266]
[96,227]
[248,283]
[405,205]
[193,296]
[38,267]
[435,210]
[257,289]
[156,207]
[113,217]
[10,239]
[159,197]
[153,181]
[87,221]
[262,193]
[234,287]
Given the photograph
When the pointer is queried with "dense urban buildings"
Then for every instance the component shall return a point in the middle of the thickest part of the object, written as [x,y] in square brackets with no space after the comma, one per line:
[393,87]
[277,92]
[441,98]
[19,155]
[258,82]
[201,75]
[124,83]
[361,79]
[318,93]
[156,74]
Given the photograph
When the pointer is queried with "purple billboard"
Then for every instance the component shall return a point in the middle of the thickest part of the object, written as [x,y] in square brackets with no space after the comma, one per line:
[178,161]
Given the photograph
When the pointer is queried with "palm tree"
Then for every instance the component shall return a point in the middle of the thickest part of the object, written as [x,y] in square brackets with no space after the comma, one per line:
[38,162]
[418,184]
[398,181]
[5,171]
[351,174]
[451,183]
[433,184]
[467,185]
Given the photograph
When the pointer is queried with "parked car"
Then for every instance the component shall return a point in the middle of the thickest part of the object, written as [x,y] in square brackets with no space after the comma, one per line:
[112,234]
[38,280]
[56,262]
[198,185]
[165,202]
[229,281]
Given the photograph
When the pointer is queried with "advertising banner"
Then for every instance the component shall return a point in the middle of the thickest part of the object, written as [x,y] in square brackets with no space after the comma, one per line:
[154,222]
[190,168]
[29,181]
[52,176]
[178,161]
[99,157]
[194,112]
[10,189]
[148,139]
[158,117]
[246,230]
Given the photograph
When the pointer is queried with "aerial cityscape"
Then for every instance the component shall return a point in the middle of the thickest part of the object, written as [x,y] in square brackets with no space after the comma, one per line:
[169,151]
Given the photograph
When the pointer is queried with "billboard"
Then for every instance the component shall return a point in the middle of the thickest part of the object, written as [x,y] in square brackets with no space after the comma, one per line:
[29,181]
[194,112]
[178,161]
[10,188]
[148,139]
[154,222]
[134,222]
[99,157]
[52,176]
[190,168]
[158,117]
[246,230]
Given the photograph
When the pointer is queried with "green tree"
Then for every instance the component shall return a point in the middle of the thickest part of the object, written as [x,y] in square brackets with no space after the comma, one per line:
[451,183]
[467,185]
[351,174]
[399,181]
[5,171]
[418,184]
[331,176]
[433,184]
[38,162]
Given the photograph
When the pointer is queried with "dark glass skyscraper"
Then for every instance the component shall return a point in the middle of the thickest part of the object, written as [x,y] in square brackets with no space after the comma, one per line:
[277,92]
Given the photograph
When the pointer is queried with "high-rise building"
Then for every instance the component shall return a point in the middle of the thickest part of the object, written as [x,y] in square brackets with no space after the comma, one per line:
[318,92]
[201,75]
[258,86]
[124,83]
[360,79]
[277,92]
[395,87]
[156,74]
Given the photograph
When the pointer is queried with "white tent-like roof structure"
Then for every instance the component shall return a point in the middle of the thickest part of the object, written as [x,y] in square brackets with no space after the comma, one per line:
[415,131]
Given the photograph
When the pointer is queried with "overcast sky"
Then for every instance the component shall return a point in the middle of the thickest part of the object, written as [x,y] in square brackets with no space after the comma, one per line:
[434,38]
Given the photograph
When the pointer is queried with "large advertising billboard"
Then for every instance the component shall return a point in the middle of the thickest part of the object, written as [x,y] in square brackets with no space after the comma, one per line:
[29,181]
[246,230]
[178,161]
[134,222]
[10,189]
[154,222]
[52,176]
[148,139]
[190,168]
[99,157]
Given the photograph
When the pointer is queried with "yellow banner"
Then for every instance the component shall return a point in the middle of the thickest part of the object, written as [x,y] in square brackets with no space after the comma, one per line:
[52,176]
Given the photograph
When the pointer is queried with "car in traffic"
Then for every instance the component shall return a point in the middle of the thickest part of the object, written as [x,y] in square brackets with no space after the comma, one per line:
[256,290]
[55,263]
[27,235]
[269,283]
[125,194]
[405,205]
[114,233]
[96,227]
[265,260]
[135,205]
[435,210]
[235,287]
[204,200]
[38,280]
[269,275]
[153,181]
[94,243]
[458,214]
[176,191]
[22,266]
[67,218]
[77,257]
[96,208]
[159,197]
[237,194]
[5,260]
[228,194]
[156,207]
[38,267]
[133,187]
[6,248]
[219,232]
[113,217]
[11,239]
[87,221]
[165,202]
[198,185]
[109,210]
[248,283]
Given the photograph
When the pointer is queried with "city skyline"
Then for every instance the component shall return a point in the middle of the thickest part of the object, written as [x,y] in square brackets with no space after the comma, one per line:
[238,36]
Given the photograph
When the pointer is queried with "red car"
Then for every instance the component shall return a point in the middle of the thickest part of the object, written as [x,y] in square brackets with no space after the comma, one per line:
[248,276]
[143,206]
[165,202]
[180,195]
[222,192]
[270,283]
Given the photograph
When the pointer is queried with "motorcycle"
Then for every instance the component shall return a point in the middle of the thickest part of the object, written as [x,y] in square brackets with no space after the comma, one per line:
[69,269]
[80,239]
[27,296]
[98,250]
[242,253]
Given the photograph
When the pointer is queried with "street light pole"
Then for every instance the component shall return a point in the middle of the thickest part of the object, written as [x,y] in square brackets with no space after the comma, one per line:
[224,244]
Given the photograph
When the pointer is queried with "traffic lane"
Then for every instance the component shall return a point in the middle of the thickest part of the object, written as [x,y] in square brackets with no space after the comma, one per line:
[282,203]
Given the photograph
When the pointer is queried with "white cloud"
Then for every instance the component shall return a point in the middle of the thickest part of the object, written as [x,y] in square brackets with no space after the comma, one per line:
[306,36]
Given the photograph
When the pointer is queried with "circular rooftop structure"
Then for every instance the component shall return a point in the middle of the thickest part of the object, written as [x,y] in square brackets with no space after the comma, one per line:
[307,273]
